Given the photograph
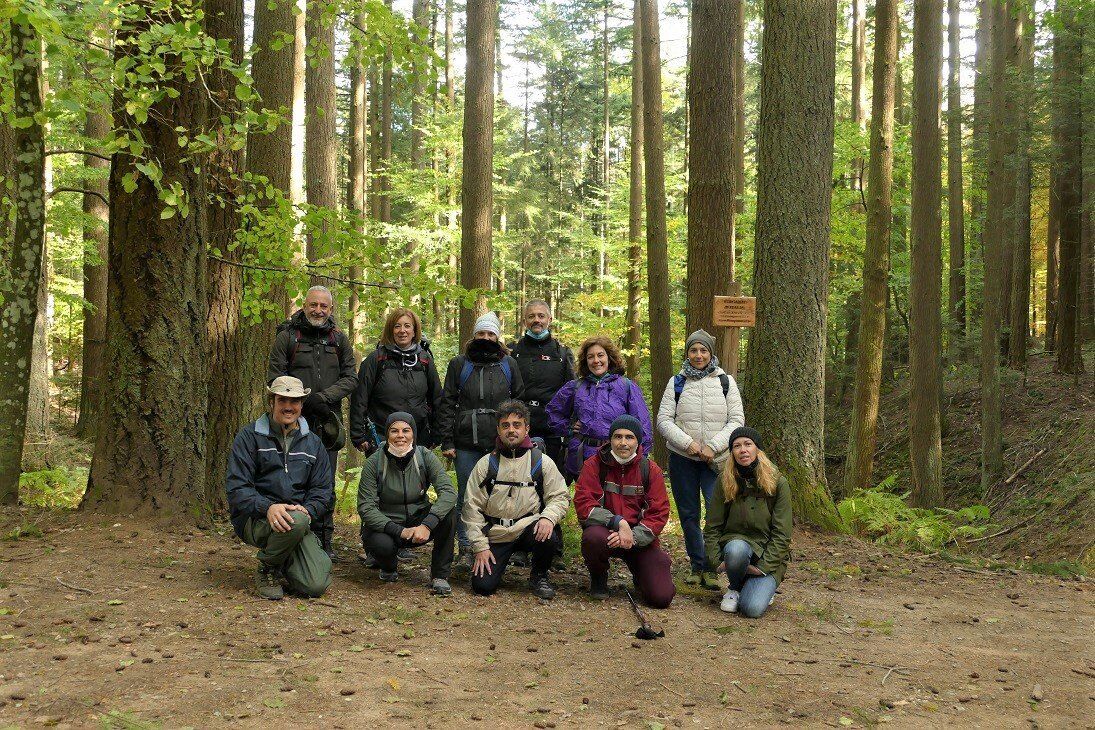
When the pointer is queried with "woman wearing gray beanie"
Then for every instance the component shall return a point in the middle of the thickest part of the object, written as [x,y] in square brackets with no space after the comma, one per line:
[699,410]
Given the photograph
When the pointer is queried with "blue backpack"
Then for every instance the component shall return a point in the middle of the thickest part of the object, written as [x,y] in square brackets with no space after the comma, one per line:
[469,368]
[679,380]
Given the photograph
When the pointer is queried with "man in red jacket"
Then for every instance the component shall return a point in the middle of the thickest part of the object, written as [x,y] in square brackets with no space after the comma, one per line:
[622,505]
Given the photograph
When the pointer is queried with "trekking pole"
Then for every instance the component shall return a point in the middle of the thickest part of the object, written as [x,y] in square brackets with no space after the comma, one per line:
[645,631]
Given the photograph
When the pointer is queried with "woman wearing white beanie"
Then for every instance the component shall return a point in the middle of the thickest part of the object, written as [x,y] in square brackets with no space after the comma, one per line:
[475,384]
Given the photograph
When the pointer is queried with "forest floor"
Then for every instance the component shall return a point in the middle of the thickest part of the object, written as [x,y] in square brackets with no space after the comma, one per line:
[142,624]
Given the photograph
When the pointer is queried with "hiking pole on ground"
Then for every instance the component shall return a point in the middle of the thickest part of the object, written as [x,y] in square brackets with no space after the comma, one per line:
[645,631]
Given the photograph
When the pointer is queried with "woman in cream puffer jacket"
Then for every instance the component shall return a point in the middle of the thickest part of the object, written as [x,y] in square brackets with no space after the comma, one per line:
[699,410]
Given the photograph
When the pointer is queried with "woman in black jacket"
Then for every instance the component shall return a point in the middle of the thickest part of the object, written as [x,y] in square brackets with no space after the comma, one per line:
[475,384]
[399,375]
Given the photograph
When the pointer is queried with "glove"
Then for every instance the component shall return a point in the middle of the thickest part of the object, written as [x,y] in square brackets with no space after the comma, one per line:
[316,406]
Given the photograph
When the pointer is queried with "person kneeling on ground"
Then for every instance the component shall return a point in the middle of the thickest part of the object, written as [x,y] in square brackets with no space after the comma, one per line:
[516,498]
[621,502]
[279,484]
[395,508]
[749,526]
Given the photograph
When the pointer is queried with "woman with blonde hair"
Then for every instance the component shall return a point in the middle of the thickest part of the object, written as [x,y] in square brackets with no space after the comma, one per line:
[583,410]
[399,375]
[749,526]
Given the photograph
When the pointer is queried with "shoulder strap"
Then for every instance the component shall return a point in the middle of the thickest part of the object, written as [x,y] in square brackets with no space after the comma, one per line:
[644,470]
[678,387]
[537,474]
[294,332]
[492,474]
[725,380]
[466,371]
[508,372]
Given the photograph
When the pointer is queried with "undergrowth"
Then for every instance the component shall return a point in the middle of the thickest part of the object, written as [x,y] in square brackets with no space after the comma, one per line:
[888,518]
[61,487]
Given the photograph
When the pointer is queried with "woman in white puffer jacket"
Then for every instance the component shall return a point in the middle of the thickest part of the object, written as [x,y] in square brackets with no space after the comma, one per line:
[699,410]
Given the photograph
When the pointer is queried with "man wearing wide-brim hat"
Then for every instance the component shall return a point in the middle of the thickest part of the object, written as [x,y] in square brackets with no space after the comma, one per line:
[279,484]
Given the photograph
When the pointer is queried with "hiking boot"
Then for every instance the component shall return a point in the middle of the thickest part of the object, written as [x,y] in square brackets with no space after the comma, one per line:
[695,578]
[332,555]
[389,576]
[710,581]
[368,560]
[598,586]
[730,601]
[405,555]
[440,587]
[268,584]
[541,587]
[519,558]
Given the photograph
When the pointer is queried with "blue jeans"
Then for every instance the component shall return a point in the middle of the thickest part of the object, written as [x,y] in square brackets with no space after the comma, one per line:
[756,590]
[466,459]
[688,478]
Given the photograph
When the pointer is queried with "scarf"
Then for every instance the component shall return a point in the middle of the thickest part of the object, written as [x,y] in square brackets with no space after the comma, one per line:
[693,374]
[623,462]
[747,472]
[401,453]
[538,337]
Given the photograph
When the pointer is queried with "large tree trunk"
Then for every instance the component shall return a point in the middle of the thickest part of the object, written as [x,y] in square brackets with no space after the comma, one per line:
[321,139]
[299,104]
[786,373]
[97,212]
[20,306]
[657,247]
[1020,270]
[236,347]
[876,255]
[737,20]
[1069,122]
[710,163]
[477,199]
[956,214]
[979,145]
[41,363]
[150,452]
[925,280]
[635,201]
[1009,223]
[991,444]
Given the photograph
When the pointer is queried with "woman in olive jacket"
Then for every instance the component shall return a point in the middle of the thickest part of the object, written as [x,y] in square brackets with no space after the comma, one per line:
[748,531]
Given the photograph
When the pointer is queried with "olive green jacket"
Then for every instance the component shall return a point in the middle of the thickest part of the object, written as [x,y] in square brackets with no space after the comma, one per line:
[388,498]
[763,522]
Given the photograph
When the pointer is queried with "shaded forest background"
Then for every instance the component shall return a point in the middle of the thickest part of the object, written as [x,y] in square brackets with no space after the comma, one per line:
[906,190]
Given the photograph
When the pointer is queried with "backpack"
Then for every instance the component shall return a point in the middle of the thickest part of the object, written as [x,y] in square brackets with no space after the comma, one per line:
[491,479]
[644,470]
[469,368]
[384,361]
[417,461]
[679,381]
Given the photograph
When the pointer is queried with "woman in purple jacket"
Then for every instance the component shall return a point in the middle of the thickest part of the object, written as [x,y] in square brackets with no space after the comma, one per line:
[583,409]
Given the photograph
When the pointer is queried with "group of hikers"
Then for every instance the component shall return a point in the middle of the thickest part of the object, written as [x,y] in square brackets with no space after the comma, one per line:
[520,425]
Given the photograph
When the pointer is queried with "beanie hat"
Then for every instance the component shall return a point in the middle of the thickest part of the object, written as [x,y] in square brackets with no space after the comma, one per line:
[406,418]
[702,337]
[489,322]
[628,423]
[748,433]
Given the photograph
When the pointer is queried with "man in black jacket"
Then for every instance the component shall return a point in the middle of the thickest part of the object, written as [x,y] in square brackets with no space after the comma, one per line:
[546,365]
[280,483]
[309,346]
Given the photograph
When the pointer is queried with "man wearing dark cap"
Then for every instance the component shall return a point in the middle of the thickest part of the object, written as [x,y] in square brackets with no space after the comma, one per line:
[395,507]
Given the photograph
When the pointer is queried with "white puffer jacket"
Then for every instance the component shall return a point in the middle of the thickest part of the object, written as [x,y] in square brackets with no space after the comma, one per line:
[702,415]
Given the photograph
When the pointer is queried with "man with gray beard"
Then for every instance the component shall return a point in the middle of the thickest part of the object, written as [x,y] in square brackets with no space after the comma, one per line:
[310,346]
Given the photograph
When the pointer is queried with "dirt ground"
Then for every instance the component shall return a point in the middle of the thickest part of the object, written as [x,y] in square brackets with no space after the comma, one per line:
[136,624]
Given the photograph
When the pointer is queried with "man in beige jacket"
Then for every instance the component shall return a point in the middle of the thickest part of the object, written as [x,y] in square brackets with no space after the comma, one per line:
[516,498]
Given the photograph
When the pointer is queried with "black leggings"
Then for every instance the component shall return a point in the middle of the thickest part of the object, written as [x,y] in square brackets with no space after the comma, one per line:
[385,548]
[541,553]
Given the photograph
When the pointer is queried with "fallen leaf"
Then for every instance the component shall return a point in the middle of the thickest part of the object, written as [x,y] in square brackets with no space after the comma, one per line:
[393,683]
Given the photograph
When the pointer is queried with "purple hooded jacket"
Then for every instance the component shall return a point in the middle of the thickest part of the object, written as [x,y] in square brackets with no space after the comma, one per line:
[595,405]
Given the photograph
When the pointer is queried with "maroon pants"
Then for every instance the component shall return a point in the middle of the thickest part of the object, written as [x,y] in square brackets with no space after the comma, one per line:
[649,565]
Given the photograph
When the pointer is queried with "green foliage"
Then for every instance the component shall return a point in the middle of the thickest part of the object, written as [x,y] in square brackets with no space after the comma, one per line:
[886,517]
[58,488]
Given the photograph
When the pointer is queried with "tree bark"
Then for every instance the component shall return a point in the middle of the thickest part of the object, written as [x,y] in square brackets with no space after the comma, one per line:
[477,200]
[20,306]
[786,373]
[299,106]
[421,15]
[236,346]
[979,156]
[321,139]
[956,214]
[876,255]
[737,21]
[1012,48]
[41,363]
[97,217]
[859,79]
[1069,121]
[635,200]
[991,444]
[1020,269]
[150,452]
[385,161]
[657,248]
[711,164]
[925,280]
[1052,239]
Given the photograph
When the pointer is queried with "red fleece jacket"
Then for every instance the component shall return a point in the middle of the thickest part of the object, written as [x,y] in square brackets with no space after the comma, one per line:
[588,491]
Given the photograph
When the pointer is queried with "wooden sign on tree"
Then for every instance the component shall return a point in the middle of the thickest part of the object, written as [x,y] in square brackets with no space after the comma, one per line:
[733,312]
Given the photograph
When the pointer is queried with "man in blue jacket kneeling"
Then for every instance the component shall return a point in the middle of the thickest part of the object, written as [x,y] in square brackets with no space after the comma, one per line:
[279,484]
